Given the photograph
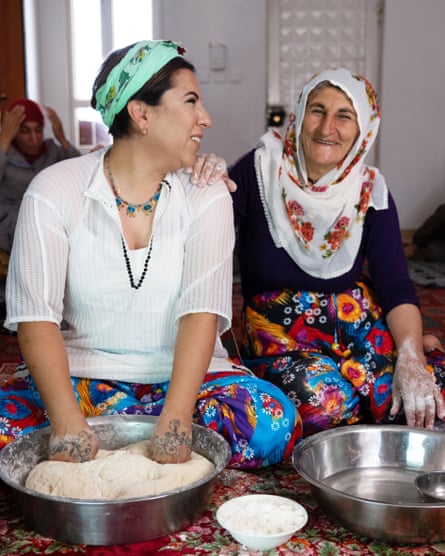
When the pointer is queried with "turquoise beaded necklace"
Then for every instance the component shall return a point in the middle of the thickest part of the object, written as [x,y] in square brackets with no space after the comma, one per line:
[146,207]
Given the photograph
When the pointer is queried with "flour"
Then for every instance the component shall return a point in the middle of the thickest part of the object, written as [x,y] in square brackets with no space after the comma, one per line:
[262,515]
[116,474]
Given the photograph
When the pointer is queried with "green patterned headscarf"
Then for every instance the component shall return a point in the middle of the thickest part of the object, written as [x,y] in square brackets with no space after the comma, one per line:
[140,63]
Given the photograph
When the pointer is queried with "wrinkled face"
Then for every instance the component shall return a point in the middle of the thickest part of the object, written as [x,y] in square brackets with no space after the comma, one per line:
[178,122]
[328,131]
[29,138]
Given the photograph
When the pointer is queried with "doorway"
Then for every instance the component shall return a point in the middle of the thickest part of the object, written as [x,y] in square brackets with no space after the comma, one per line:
[12,62]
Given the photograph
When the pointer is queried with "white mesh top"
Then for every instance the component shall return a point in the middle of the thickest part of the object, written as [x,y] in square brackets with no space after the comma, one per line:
[67,264]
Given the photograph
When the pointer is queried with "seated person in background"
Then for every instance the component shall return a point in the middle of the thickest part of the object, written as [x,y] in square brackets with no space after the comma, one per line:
[137,262]
[23,153]
[429,238]
[309,213]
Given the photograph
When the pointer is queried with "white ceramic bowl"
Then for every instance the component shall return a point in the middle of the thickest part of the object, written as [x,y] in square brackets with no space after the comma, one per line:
[261,521]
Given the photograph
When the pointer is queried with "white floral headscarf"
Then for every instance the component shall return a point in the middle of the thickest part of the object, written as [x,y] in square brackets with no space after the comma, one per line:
[320,225]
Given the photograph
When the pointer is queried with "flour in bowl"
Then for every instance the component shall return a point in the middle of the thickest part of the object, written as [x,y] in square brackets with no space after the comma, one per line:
[116,474]
[262,515]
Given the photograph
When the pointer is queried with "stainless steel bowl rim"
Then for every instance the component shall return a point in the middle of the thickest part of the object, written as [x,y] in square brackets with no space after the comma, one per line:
[426,492]
[358,428]
[108,501]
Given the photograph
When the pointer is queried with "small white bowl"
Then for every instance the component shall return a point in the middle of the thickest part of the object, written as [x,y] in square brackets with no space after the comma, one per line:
[261,521]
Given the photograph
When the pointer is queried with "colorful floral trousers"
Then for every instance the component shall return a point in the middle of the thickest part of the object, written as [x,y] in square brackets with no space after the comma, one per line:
[332,354]
[260,423]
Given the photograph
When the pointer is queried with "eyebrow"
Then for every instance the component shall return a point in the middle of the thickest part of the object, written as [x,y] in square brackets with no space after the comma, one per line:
[193,93]
[321,105]
[25,125]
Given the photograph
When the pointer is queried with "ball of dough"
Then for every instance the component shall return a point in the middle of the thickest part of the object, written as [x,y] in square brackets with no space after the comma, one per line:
[116,474]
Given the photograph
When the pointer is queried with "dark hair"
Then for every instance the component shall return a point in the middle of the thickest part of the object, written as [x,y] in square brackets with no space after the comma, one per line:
[150,93]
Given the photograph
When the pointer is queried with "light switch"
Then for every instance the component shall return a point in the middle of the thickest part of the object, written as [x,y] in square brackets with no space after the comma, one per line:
[217,56]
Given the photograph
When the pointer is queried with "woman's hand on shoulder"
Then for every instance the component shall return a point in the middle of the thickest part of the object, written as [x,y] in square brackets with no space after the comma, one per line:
[171,441]
[208,169]
[76,448]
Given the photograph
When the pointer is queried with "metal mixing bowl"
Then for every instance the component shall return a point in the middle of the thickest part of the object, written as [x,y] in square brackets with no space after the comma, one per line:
[364,477]
[432,485]
[116,521]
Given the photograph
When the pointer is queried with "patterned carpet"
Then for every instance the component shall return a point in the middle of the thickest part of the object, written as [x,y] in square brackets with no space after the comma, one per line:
[427,274]
[321,536]
[432,302]
[9,354]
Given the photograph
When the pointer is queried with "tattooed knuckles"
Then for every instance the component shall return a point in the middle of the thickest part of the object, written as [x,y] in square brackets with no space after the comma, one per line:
[73,447]
[172,445]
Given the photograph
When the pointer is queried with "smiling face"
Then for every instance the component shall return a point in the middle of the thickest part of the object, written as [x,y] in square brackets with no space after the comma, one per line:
[177,124]
[328,131]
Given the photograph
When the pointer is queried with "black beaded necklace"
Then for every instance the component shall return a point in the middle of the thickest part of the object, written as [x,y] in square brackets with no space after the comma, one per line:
[133,284]
[128,265]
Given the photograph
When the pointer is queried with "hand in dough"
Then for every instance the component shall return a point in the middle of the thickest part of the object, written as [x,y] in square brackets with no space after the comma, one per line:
[171,441]
[79,447]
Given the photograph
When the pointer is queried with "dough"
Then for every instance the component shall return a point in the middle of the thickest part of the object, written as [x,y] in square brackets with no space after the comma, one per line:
[116,474]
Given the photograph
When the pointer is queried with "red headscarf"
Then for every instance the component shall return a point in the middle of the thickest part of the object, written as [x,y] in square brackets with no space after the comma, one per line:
[33,113]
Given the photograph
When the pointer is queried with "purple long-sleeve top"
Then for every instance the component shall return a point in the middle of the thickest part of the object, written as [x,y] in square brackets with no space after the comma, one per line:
[265,267]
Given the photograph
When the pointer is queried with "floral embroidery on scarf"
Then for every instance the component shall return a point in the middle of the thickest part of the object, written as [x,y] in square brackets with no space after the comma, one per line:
[365,195]
[335,237]
[303,228]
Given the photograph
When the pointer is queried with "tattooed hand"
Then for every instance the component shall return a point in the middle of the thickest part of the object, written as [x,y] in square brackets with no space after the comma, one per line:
[73,447]
[171,442]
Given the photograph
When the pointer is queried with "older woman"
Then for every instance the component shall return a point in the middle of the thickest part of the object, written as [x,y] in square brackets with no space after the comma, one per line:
[311,217]
[136,261]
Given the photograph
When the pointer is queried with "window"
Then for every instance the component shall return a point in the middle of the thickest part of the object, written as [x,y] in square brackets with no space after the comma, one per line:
[98,27]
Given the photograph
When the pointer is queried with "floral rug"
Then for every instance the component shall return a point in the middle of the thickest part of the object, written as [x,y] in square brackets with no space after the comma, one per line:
[432,302]
[320,536]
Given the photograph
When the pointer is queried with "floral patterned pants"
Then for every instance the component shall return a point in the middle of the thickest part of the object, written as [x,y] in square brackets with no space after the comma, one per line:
[257,419]
[332,354]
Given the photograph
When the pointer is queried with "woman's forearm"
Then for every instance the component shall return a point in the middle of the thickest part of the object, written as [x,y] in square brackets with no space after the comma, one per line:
[193,351]
[406,327]
[172,439]
[43,350]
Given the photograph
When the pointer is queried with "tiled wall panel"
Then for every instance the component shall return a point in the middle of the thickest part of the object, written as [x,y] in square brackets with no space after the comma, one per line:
[315,35]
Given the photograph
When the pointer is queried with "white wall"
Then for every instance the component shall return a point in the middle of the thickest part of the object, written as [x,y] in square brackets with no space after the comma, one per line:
[235,97]
[412,134]
[52,84]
